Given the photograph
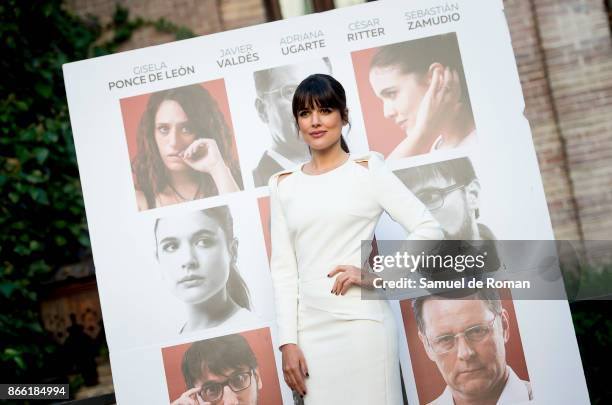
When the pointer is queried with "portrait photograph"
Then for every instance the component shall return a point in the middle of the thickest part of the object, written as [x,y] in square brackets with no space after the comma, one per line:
[236,368]
[181,144]
[452,191]
[274,89]
[196,269]
[466,349]
[197,255]
[414,96]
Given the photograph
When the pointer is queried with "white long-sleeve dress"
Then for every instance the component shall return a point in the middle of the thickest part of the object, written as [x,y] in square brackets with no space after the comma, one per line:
[317,223]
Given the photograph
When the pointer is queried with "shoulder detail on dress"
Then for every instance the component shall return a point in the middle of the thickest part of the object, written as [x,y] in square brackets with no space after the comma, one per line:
[369,157]
[363,157]
[286,171]
[282,176]
[276,177]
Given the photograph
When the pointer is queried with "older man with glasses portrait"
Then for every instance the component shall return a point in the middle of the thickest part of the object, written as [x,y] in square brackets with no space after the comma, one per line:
[466,338]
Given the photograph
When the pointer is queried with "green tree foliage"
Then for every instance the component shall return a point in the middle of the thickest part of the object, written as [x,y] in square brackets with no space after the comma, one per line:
[593,325]
[41,207]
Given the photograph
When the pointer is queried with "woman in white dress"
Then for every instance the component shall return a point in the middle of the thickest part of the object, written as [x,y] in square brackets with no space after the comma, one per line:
[336,347]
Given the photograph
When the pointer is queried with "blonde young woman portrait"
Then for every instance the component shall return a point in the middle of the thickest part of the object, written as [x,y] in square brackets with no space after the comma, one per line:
[184,149]
[336,348]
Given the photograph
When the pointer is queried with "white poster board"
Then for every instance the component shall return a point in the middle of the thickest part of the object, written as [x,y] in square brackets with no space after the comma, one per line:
[134,114]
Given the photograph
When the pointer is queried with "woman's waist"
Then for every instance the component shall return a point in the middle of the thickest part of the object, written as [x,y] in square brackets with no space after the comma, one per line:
[316,294]
[311,271]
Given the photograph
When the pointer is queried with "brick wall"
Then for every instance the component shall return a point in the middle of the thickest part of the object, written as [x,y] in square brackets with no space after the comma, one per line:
[540,111]
[201,16]
[242,13]
[564,54]
[563,50]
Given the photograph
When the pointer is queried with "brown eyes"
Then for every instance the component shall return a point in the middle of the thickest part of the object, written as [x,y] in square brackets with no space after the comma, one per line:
[164,129]
[322,111]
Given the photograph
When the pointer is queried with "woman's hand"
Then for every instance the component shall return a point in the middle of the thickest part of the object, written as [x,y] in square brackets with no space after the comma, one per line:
[203,155]
[348,276]
[295,369]
[439,105]
[190,397]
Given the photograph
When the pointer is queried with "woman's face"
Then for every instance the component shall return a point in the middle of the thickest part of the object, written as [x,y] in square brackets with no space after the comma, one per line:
[173,134]
[320,127]
[400,93]
[194,256]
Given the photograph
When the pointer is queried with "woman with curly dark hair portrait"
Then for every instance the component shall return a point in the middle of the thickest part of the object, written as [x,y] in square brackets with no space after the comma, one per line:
[185,149]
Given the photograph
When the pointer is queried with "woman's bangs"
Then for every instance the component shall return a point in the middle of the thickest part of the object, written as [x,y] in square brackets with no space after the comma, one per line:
[314,94]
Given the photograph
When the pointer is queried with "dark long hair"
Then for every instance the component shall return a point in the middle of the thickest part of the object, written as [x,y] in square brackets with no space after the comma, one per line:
[321,90]
[205,120]
[236,286]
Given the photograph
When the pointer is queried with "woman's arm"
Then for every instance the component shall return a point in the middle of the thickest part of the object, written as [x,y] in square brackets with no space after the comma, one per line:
[283,267]
[222,176]
[203,155]
[400,203]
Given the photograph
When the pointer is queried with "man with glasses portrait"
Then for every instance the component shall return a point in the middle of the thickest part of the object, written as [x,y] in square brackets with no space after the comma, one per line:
[466,339]
[275,88]
[450,190]
[221,370]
